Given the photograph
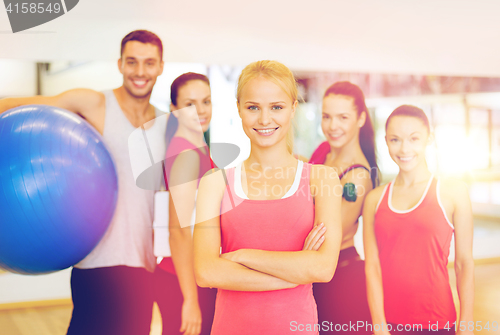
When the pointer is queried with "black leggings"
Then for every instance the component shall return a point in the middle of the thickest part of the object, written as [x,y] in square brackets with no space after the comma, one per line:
[112,300]
[342,302]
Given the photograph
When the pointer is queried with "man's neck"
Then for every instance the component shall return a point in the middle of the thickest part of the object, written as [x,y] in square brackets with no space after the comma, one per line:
[137,110]
[132,105]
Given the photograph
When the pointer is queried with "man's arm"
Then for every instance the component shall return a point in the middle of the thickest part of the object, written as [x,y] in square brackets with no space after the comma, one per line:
[88,103]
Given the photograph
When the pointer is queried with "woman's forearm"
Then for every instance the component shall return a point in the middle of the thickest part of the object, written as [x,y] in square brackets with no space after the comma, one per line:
[300,267]
[465,286]
[181,246]
[375,296]
[225,274]
[211,269]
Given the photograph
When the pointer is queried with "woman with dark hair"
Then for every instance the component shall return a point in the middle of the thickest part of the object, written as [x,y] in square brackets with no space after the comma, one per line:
[185,307]
[350,149]
[408,227]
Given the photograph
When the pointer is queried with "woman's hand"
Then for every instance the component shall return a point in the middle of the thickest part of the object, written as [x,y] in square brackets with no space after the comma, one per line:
[315,238]
[191,318]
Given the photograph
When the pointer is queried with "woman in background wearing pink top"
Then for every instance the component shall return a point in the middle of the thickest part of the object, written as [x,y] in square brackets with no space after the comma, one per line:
[350,149]
[408,227]
[185,308]
[269,228]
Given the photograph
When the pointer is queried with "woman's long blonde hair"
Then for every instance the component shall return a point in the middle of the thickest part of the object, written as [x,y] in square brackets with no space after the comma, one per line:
[278,74]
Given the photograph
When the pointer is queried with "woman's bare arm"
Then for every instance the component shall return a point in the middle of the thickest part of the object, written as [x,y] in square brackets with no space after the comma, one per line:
[464,262]
[374,288]
[306,266]
[211,270]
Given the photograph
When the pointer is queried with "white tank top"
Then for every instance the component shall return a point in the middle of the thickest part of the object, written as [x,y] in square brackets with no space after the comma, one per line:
[129,238]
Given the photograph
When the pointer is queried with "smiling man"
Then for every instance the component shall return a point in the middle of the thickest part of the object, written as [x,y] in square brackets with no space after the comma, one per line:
[111,286]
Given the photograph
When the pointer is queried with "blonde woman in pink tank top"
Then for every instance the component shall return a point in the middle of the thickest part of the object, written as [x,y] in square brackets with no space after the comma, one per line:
[269,228]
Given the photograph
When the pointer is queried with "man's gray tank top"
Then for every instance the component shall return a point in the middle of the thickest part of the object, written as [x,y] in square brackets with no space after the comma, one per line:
[129,238]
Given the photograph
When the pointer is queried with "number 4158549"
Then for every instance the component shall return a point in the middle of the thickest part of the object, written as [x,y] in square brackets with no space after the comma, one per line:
[472,326]
[33,8]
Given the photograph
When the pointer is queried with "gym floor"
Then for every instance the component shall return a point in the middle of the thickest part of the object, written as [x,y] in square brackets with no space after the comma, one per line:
[49,321]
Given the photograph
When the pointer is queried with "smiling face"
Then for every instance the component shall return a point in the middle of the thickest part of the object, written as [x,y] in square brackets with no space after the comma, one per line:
[194,93]
[266,112]
[340,122]
[140,65]
[407,138]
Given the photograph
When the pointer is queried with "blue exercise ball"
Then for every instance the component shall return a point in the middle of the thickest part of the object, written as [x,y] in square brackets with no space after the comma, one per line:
[58,189]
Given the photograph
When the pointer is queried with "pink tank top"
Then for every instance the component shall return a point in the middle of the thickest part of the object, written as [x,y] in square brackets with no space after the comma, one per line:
[413,249]
[319,155]
[278,225]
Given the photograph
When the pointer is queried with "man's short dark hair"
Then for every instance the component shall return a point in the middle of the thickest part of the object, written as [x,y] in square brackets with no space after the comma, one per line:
[143,36]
